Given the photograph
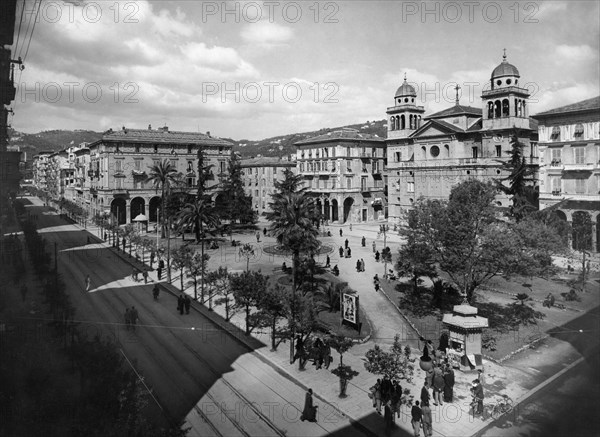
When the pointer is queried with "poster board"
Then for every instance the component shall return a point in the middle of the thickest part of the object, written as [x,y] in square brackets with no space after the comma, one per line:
[350,308]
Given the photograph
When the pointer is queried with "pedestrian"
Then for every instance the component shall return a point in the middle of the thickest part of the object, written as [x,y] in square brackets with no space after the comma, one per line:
[187,302]
[397,397]
[388,417]
[341,252]
[327,359]
[23,292]
[328,262]
[336,270]
[257,237]
[349,253]
[438,386]
[265,232]
[341,233]
[429,377]
[88,282]
[180,304]
[155,291]
[386,389]
[376,390]
[299,350]
[159,273]
[478,396]
[448,383]
[358,265]
[363,241]
[128,318]
[362,265]
[377,256]
[133,314]
[134,274]
[374,246]
[416,416]
[377,286]
[145,275]
[346,243]
[426,421]
[480,377]
[152,256]
[319,351]
[310,411]
[425,394]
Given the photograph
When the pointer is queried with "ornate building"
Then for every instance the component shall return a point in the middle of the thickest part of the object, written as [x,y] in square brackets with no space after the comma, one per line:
[428,156]
[259,176]
[345,171]
[570,163]
[120,163]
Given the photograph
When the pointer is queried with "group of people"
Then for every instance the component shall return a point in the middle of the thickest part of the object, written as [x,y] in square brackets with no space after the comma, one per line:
[319,351]
[131,317]
[183,304]
[360,265]
[135,272]
[387,393]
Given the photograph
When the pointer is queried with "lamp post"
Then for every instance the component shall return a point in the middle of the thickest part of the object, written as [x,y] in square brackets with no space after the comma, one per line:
[384,229]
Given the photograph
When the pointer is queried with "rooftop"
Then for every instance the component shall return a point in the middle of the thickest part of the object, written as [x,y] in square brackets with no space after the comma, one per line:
[267,161]
[342,134]
[583,105]
[161,135]
[457,110]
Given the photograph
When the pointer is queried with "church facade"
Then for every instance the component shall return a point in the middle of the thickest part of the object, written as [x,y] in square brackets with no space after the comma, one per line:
[428,155]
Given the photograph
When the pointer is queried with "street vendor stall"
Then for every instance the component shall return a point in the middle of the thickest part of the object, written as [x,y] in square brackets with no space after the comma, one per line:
[465,328]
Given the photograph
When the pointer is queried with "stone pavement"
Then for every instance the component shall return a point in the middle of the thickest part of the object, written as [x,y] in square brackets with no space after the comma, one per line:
[450,419]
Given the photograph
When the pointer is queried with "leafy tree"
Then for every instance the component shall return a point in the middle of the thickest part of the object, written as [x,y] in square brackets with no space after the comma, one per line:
[247,251]
[302,314]
[394,364]
[521,180]
[247,289]
[340,344]
[198,213]
[197,267]
[238,204]
[163,176]
[415,258]
[272,305]
[182,259]
[464,236]
[218,282]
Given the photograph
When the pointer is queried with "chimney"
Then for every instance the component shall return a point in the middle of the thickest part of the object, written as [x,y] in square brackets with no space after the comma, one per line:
[208,133]
[149,127]
[165,128]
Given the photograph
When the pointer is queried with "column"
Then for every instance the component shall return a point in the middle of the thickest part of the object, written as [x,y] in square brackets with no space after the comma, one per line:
[594,238]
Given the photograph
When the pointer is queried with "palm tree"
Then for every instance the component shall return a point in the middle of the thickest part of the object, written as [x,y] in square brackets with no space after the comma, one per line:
[198,213]
[163,175]
[292,223]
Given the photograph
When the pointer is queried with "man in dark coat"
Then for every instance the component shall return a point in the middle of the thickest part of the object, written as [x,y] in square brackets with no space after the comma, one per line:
[478,394]
[416,416]
[187,303]
[448,384]
[310,411]
[425,394]
[180,304]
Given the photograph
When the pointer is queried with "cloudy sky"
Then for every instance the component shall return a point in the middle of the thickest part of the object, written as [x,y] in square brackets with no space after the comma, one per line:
[251,70]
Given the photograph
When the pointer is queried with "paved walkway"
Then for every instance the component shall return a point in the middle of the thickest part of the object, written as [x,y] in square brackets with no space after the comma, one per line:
[449,419]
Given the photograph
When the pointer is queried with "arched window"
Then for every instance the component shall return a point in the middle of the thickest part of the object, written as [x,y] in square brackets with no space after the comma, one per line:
[410,118]
[490,109]
[397,122]
[419,122]
[505,108]
[497,109]
[402,122]
[392,123]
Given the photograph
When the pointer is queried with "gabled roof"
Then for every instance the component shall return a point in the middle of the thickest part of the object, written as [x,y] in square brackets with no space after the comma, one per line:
[456,110]
[584,105]
[343,134]
[443,126]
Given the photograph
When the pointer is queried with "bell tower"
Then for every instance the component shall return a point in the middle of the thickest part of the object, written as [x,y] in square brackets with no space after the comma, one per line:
[505,103]
[405,116]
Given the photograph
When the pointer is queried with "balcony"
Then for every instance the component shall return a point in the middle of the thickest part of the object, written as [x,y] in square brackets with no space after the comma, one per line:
[365,156]
[579,167]
[120,192]
[138,173]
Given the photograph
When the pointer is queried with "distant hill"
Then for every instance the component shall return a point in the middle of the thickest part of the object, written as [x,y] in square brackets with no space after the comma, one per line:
[270,146]
[55,140]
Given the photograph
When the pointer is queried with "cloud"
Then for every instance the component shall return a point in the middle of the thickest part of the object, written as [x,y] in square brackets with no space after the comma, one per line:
[581,53]
[266,34]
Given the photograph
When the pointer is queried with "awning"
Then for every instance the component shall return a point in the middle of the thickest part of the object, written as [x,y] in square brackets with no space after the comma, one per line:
[140,218]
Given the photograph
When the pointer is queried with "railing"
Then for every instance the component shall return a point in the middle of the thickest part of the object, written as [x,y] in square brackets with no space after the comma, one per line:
[120,192]
[573,167]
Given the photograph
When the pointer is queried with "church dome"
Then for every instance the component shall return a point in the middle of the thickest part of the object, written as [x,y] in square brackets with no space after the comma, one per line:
[405,90]
[505,69]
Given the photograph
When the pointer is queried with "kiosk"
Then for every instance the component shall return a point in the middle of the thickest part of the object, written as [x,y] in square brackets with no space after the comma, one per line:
[465,327]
